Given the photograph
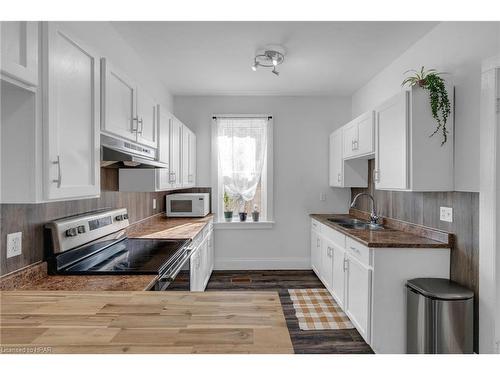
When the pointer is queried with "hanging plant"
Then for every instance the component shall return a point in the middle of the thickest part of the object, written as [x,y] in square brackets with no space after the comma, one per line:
[432,81]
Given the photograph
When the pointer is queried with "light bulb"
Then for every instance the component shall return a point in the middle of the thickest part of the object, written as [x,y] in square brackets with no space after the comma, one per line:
[275,62]
[254,68]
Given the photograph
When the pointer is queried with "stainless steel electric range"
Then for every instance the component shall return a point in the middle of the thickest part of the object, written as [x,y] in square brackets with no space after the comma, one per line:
[95,243]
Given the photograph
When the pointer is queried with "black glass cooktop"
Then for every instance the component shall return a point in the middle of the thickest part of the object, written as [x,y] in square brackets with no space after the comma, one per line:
[130,256]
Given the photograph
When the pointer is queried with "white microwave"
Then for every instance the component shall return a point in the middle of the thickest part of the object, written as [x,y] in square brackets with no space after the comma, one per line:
[188,204]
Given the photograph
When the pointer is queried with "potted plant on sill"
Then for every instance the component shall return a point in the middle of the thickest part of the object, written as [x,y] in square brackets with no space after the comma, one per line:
[243,212]
[228,207]
[255,213]
[431,81]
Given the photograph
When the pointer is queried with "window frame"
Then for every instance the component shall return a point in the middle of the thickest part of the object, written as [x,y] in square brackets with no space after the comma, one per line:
[267,186]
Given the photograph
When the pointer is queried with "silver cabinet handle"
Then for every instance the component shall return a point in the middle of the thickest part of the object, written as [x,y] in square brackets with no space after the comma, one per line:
[376,175]
[171,177]
[317,242]
[346,264]
[355,250]
[59,175]
[352,145]
[339,179]
[139,122]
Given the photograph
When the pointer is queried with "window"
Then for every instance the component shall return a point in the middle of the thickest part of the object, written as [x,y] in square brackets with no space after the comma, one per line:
[242,168]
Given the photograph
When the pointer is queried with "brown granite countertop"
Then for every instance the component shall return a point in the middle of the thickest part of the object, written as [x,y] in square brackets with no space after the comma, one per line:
[162,227]
[159,226]
[396,233]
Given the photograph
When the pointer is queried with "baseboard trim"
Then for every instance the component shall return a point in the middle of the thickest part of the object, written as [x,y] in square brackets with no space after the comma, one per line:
[262,264]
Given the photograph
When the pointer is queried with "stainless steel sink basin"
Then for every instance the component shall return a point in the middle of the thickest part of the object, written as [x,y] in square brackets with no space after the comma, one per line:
[355,224]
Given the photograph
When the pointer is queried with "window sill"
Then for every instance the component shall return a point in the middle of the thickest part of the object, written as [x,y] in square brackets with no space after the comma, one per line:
[244,225]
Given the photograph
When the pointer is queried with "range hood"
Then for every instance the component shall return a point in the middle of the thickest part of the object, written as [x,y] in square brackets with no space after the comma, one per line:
[117,153]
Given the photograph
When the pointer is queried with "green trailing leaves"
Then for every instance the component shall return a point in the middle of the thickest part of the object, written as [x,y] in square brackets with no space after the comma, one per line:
[432,81]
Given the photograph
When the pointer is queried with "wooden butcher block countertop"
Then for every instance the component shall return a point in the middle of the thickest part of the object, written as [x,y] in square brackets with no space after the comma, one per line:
[162,227]
[142,322]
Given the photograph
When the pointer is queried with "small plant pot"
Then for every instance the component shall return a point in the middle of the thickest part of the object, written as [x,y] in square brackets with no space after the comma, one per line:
[243,216]
[228,215]
[255,216]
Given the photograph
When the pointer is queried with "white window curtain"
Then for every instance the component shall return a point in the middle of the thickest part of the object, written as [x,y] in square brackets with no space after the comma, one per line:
[242,147]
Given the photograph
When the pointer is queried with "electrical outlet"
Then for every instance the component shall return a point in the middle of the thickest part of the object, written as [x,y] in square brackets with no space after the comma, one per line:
[14,244]
[322,197]
[154,203]
[446,214]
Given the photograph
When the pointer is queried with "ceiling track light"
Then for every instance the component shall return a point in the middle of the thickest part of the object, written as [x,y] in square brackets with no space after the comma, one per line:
[268,59]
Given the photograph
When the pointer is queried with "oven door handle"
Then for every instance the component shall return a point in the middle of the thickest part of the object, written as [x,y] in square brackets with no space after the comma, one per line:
[170,276]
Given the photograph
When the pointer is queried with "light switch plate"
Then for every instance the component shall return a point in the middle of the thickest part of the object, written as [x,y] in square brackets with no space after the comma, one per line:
[446,214]
[154,203]
[322,197]
[14,244]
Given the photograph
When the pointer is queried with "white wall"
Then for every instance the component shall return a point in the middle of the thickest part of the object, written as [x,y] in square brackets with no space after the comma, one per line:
[301,129]
[103,38]
[457,48]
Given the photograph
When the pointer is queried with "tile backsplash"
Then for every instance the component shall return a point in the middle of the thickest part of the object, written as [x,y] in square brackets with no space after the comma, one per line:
[30,218]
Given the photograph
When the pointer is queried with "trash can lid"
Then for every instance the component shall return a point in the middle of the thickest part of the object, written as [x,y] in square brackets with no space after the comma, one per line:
[440,288]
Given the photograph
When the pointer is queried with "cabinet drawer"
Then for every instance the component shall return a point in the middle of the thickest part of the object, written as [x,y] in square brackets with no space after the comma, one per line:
[358,250]
[332,235]
[316,226]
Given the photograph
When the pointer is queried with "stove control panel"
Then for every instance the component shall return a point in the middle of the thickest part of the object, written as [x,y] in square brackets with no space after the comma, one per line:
[78,230]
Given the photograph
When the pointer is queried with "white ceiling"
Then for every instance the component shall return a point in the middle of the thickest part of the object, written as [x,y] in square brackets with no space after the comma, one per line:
[214,58]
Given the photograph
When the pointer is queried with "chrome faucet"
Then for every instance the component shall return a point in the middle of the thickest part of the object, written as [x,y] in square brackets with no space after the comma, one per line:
[373,215]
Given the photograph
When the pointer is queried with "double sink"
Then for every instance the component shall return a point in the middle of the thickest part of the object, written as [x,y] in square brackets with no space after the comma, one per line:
[355,224]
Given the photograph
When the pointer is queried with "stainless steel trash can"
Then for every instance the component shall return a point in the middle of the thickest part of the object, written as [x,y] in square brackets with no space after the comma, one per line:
[439,317]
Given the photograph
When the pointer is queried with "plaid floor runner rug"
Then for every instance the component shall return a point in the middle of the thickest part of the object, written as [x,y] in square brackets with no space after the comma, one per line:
[316,309]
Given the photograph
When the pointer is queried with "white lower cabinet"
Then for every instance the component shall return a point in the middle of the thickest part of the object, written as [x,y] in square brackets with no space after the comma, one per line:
[202,259]
[369,283]
[358,291]
[338,282]
[315,247]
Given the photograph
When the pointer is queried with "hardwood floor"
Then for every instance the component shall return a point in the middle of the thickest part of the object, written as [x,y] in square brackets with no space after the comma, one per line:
[346,341]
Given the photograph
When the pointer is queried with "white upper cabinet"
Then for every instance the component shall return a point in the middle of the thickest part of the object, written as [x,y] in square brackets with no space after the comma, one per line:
[119,99]
[192,159]
[175,153]
[71,117]
[19,51]
[345,173]
[391,147]
[359,136]
[406,157]
[147,117]
[188,157]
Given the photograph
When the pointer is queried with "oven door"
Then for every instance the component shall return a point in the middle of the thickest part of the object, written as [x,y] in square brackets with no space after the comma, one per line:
[167,280]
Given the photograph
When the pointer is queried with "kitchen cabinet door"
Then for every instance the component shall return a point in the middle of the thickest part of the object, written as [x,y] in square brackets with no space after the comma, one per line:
[358,296]
[391,150]
[147,114]
[119,104]
[71,118]
[19,51]
[316,253]
[338,274]
[192,159]
[336,162]
[365,143]
[327,263]
[350,139]
[175,153]
[185,156]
